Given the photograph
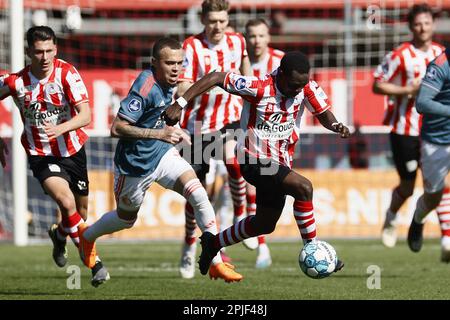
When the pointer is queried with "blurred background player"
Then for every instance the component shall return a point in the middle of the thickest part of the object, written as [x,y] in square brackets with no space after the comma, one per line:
[433,101]
[54,106]
[209,116]
[145,154]
[263,60]
[398,77]
[266,153]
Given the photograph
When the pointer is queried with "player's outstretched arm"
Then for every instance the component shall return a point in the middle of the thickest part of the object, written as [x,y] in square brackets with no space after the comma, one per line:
[328,120]
[432,84]
[123,129]
[426,103]
[392,89]
[173,113]
[3,152]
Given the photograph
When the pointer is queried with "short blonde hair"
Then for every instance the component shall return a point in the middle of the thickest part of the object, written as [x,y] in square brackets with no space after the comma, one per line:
[214,5]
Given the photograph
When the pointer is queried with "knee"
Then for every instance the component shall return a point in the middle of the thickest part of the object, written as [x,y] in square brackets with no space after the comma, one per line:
[267,228]
[405,190]
[432,200]
[66,203]
[127,218]
[303,190]
[263,227]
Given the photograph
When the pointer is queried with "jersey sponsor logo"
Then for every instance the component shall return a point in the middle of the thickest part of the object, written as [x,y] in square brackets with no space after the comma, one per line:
[134,105]
[159,123]
[240,83]
[274,129]
[276,117]
[33,112]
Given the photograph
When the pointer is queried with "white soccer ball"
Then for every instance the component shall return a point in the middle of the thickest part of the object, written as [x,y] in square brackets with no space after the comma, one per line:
[318,259]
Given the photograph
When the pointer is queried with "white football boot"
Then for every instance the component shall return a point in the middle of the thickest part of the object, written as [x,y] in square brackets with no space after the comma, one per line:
[389,233]
[187,264]
[445,249]
[263,260]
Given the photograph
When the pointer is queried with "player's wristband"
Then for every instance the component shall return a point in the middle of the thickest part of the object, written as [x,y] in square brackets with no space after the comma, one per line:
[182,102]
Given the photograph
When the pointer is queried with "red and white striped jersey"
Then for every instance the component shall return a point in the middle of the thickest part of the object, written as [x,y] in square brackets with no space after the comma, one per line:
[271,120]
[217,107]
[51,100]
[401,66]
[269,64]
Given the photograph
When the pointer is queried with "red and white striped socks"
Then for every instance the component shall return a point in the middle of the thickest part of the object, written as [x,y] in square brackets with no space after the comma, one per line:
[236,233]
[69,226]
[443,212]
[304,216]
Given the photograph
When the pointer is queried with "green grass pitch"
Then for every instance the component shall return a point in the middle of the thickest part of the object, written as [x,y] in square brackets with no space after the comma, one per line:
[150,271]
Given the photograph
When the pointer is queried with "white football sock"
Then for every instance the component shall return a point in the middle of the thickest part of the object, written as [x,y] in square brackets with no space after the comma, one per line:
[204,213]
[107,224]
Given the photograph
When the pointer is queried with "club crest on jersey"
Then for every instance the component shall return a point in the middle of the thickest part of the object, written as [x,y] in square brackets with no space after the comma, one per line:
[240,83]
[134,105]
[51,88]
[185,62]
[431,73]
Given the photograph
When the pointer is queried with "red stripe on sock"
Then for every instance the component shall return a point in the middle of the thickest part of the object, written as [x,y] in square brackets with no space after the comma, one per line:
[303,206]
[307,224]
[71,221]
[300,218]
[189,240]
[261,240]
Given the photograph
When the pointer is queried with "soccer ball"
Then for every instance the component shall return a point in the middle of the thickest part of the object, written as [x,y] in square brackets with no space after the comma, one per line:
[318,259]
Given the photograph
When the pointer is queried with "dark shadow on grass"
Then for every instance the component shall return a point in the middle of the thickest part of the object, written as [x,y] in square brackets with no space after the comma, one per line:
[28,293]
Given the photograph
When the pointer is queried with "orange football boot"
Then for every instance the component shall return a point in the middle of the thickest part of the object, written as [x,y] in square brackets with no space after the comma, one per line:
[86,249]
[224,271]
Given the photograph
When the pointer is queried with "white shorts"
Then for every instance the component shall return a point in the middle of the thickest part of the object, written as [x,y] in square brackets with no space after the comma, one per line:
[130,191]
[435,163]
